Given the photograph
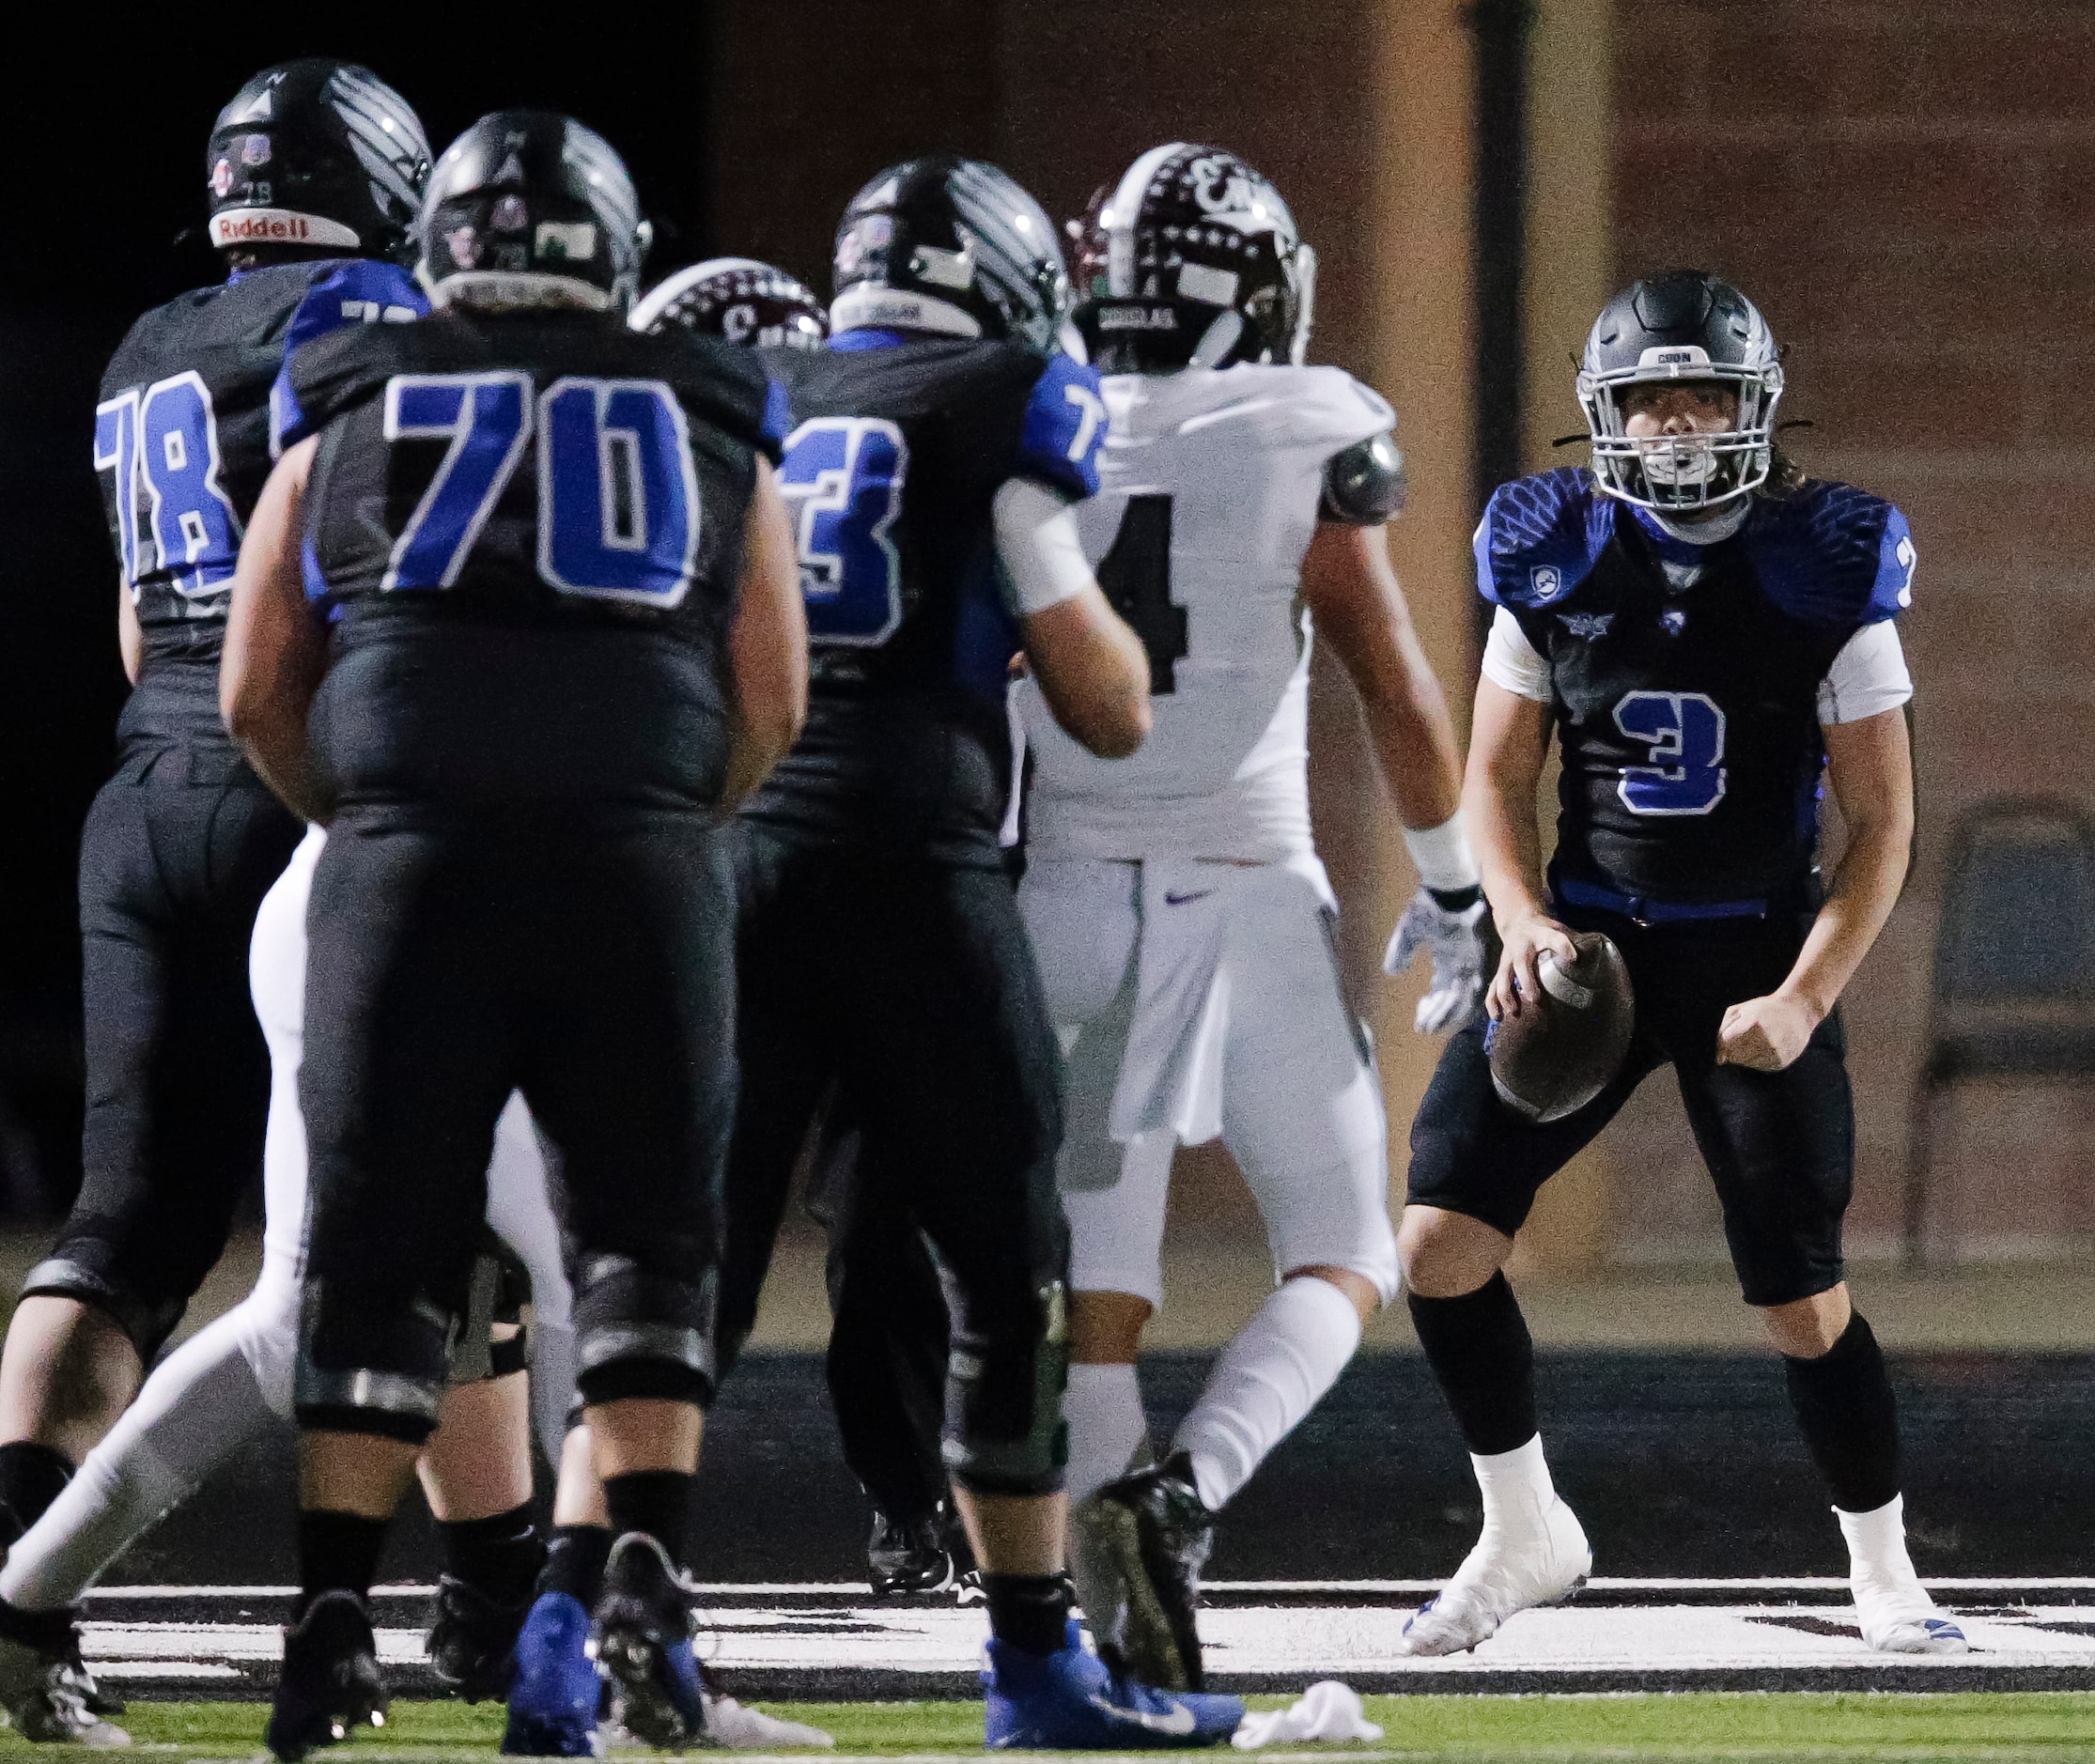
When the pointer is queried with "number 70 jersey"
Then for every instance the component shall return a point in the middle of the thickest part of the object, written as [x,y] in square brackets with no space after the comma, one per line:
[1209,486]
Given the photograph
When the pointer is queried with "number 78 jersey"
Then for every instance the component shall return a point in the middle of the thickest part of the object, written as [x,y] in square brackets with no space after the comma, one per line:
[1209,488]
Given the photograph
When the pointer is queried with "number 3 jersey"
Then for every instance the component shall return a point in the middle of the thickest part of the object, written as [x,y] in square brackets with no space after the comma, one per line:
[1689,683]
[898,449]
[1210,484]
[182,445]
[526,531]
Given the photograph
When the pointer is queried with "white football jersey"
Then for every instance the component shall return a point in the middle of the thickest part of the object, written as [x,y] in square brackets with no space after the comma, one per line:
[1230,461]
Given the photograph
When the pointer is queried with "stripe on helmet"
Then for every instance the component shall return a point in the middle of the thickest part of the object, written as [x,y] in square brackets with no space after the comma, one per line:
[1122,211]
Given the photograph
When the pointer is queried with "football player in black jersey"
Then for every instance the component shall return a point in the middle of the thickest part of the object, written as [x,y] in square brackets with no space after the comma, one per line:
[315,171]
[937,441]
[1707,633]
[516,616]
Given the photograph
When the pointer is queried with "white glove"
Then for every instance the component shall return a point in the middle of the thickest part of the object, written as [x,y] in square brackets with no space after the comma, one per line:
[1456,942]
[1328,1711]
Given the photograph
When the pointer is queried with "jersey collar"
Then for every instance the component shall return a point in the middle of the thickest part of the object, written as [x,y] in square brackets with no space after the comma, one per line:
[869,338]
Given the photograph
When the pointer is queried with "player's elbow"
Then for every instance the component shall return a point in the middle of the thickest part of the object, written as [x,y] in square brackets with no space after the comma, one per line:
[1117,728]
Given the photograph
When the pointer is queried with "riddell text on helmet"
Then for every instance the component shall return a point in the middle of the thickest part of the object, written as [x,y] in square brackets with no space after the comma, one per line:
[277,226]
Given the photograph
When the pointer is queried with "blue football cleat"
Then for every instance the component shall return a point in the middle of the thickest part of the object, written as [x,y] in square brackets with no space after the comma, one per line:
[1070,1701]
[554,1694]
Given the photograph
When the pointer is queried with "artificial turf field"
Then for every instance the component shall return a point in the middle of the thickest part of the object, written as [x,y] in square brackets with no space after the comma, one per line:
[1770,1725]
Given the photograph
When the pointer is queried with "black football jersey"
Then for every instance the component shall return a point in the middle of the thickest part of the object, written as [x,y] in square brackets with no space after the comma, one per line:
[897,449]
[182,441]
[1686,678]
[526,531]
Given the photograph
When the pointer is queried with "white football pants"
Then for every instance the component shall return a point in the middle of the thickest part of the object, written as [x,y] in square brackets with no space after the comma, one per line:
[1198,1001]
[226,1384]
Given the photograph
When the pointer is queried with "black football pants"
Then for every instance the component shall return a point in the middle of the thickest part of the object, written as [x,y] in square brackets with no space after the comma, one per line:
[178,849]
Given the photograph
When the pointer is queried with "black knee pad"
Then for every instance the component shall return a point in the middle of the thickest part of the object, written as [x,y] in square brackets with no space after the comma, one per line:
[1004,1432]
[500,1289]
[642,1333]
[371,1359]
[87,1267]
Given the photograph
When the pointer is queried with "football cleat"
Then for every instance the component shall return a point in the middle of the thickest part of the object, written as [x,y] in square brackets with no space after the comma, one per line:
[330,1680]
[554,1690]
[1506,1572]
[644,1645]
[472,1641]
[50,1696]
[1144,1540]
[1072,1701]
[909,1556]
[1896,1616]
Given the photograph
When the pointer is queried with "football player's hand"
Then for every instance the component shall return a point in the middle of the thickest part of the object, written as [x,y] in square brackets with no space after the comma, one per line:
[1766,1034]
[1525,939]
[1456,943]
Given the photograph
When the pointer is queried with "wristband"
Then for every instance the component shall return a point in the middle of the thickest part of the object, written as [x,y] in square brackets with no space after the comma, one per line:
[1442,856]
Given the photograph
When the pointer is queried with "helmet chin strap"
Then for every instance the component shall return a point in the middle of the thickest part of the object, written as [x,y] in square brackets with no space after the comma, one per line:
[1217,340]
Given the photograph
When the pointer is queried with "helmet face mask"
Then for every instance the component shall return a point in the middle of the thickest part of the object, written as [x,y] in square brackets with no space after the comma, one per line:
[951,246]
[316,158]
[529,209]
[1192,261]
[1683,328]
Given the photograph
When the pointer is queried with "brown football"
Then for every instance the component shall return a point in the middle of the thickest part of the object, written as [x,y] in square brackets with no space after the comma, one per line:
[1565,1047]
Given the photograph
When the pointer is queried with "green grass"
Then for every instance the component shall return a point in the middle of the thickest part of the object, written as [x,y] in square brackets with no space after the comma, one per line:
[1783,1726]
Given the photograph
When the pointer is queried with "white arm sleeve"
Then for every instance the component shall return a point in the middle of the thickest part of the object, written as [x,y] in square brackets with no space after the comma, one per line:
[1042,558]
[1512,662]
[1867,676]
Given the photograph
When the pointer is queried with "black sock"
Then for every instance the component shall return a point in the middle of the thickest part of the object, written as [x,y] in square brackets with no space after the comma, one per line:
[336,1551]
[657,1502]
[1849,1418]
[30,1478]
[1029,1612]
[499,1556]
[575,1563]
[1479,1349]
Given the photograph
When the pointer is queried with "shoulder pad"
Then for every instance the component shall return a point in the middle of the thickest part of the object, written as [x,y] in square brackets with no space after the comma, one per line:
[1363,484]
[1063,428]
[1540,537]
[351,292]
[1832,554]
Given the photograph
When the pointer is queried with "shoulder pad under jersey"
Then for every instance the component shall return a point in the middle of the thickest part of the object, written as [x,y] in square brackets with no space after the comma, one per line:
[1832,554]
[1363,484]
[1541,538]
[353,292]
[1063,429]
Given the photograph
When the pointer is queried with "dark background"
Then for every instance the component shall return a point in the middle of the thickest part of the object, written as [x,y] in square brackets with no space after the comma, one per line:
[109,176]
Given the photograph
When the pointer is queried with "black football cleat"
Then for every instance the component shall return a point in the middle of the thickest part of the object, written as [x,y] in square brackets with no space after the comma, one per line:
[644,1645]
[907,1556]
[1148,1537]
[49,1694]
[472,1643]
[331,1679]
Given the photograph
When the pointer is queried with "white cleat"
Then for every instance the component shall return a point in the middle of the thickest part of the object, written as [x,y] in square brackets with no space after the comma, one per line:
[1898,1617]
[731,1726]
[1505,1574]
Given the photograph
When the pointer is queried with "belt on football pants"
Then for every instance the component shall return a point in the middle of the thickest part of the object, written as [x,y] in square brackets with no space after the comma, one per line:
[1642,910]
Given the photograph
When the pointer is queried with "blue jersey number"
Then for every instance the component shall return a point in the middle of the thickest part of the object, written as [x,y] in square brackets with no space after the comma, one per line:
[618,506]
[1685,732]
[843,479]
[164,440]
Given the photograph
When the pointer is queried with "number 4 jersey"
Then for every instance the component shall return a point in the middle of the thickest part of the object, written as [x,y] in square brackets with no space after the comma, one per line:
[182,445]
[898,448]
[1689,683]
[1210,485]
[526,531]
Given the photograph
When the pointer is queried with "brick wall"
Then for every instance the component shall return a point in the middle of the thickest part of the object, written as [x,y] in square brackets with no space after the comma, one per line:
[1908,191]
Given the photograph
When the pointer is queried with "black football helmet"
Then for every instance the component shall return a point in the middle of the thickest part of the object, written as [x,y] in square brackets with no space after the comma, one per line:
[1192,259]
[318,154]
[738,298]
[1682,325]
[530,208]
[950,244]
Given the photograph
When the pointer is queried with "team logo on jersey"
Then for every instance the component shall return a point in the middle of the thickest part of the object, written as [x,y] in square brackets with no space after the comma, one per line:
[1674,620]
[1587,625]
[1546,581]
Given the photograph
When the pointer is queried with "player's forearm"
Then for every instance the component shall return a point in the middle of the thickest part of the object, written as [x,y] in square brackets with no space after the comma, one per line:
[1414,741]
[1865,889]
[1499,810]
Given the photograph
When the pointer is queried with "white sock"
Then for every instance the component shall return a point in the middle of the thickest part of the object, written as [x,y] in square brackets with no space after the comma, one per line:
[1517,1487]
[1103,1407]
[1877,1542]
[1266,1382]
